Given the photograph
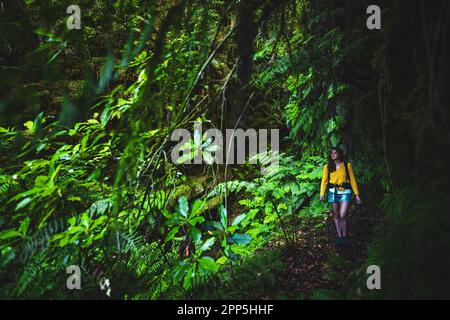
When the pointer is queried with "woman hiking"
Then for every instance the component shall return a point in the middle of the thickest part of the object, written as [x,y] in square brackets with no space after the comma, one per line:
[339,179]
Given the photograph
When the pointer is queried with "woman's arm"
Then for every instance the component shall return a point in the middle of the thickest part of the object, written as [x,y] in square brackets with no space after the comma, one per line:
[353,180]
[323,185]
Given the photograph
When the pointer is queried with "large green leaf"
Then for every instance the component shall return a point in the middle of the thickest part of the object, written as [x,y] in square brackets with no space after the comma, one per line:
[238,219]
[208,263]
[197,206]
[207,244]
[196,220]
[241,238]
[223,216]
[171,234]
[188,277]
[195,234]
[183,206]
[10,233]
[24,226]
[23,203]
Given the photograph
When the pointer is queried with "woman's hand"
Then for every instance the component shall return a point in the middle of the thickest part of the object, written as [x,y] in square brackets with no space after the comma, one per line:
[321,198]
[358,200]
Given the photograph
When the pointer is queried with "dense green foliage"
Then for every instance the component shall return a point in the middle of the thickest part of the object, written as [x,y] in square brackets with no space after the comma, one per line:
[86,176]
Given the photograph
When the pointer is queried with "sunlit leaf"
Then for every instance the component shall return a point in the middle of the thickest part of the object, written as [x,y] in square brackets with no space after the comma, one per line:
[238,219]
[23,203]
[183,206]
[208,263]
[7,234]
[223,216]
[207,244]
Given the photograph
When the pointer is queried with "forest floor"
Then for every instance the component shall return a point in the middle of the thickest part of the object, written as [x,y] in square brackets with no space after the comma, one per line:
[309,266]
[316,268]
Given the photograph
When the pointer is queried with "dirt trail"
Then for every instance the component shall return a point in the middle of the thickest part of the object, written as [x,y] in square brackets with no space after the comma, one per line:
[316,268]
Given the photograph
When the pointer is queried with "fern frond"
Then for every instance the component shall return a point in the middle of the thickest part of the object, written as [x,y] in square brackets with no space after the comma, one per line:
[128,241]
[233,186]
[29,273]
[100,207]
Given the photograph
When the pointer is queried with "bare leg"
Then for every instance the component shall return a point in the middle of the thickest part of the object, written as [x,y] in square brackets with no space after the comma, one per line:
[337,220]
[342,214]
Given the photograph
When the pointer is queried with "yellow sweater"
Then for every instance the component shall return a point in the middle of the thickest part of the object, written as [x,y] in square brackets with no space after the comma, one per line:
[338,177]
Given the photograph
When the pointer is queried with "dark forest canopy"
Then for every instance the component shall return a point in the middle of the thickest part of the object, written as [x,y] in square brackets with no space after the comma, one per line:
[86,177]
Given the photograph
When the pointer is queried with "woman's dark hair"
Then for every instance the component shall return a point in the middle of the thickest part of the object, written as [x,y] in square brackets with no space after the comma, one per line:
[331,164]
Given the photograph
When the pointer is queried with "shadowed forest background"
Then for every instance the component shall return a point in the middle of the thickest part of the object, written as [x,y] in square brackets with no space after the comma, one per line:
[86,176]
